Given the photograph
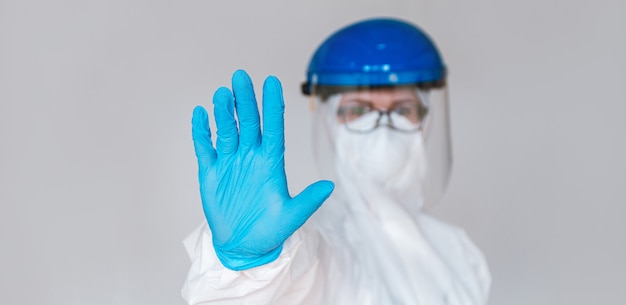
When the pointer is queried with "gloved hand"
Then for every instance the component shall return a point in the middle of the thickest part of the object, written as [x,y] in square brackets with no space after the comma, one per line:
[242,181]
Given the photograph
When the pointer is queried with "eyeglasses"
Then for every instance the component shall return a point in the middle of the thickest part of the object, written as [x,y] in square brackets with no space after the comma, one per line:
[359,116]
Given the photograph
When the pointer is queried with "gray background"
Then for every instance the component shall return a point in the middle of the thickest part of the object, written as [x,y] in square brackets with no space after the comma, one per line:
[98,177]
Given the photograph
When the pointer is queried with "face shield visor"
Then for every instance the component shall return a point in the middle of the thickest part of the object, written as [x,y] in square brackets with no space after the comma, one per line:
[383,142]
[381,128]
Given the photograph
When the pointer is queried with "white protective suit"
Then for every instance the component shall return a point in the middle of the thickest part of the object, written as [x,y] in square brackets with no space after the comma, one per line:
[370,243]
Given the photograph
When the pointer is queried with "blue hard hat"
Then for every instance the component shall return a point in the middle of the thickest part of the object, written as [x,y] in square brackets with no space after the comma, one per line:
[375,52]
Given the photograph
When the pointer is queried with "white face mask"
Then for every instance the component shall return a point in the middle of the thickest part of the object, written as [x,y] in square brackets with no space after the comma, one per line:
[386,160]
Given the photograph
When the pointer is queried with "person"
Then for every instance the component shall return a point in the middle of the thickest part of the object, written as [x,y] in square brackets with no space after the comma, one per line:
[381,137]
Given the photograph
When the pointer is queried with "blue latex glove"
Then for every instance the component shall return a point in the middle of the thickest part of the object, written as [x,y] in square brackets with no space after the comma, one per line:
[242,181]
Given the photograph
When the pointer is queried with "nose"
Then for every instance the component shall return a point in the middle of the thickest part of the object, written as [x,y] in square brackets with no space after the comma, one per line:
[383,118]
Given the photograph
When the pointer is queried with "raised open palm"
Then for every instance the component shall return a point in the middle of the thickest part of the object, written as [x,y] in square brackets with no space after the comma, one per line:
[242,180]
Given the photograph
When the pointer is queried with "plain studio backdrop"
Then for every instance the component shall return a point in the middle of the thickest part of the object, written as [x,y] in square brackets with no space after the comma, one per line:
[98,182]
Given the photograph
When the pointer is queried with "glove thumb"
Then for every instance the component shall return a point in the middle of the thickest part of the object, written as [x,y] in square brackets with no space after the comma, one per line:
[309,200]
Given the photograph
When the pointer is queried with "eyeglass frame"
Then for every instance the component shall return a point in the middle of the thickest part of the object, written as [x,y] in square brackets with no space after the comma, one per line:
[422,114]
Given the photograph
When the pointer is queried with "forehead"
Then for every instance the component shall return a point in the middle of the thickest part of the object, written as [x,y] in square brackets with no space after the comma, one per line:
[381,97]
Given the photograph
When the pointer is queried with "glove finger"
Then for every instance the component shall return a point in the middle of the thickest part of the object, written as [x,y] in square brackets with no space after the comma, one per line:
[301,207]
[227,134]
[273,117]
[201,134]
[247,110]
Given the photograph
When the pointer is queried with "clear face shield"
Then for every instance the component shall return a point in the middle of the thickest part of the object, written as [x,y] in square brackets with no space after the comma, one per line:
[383,143]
